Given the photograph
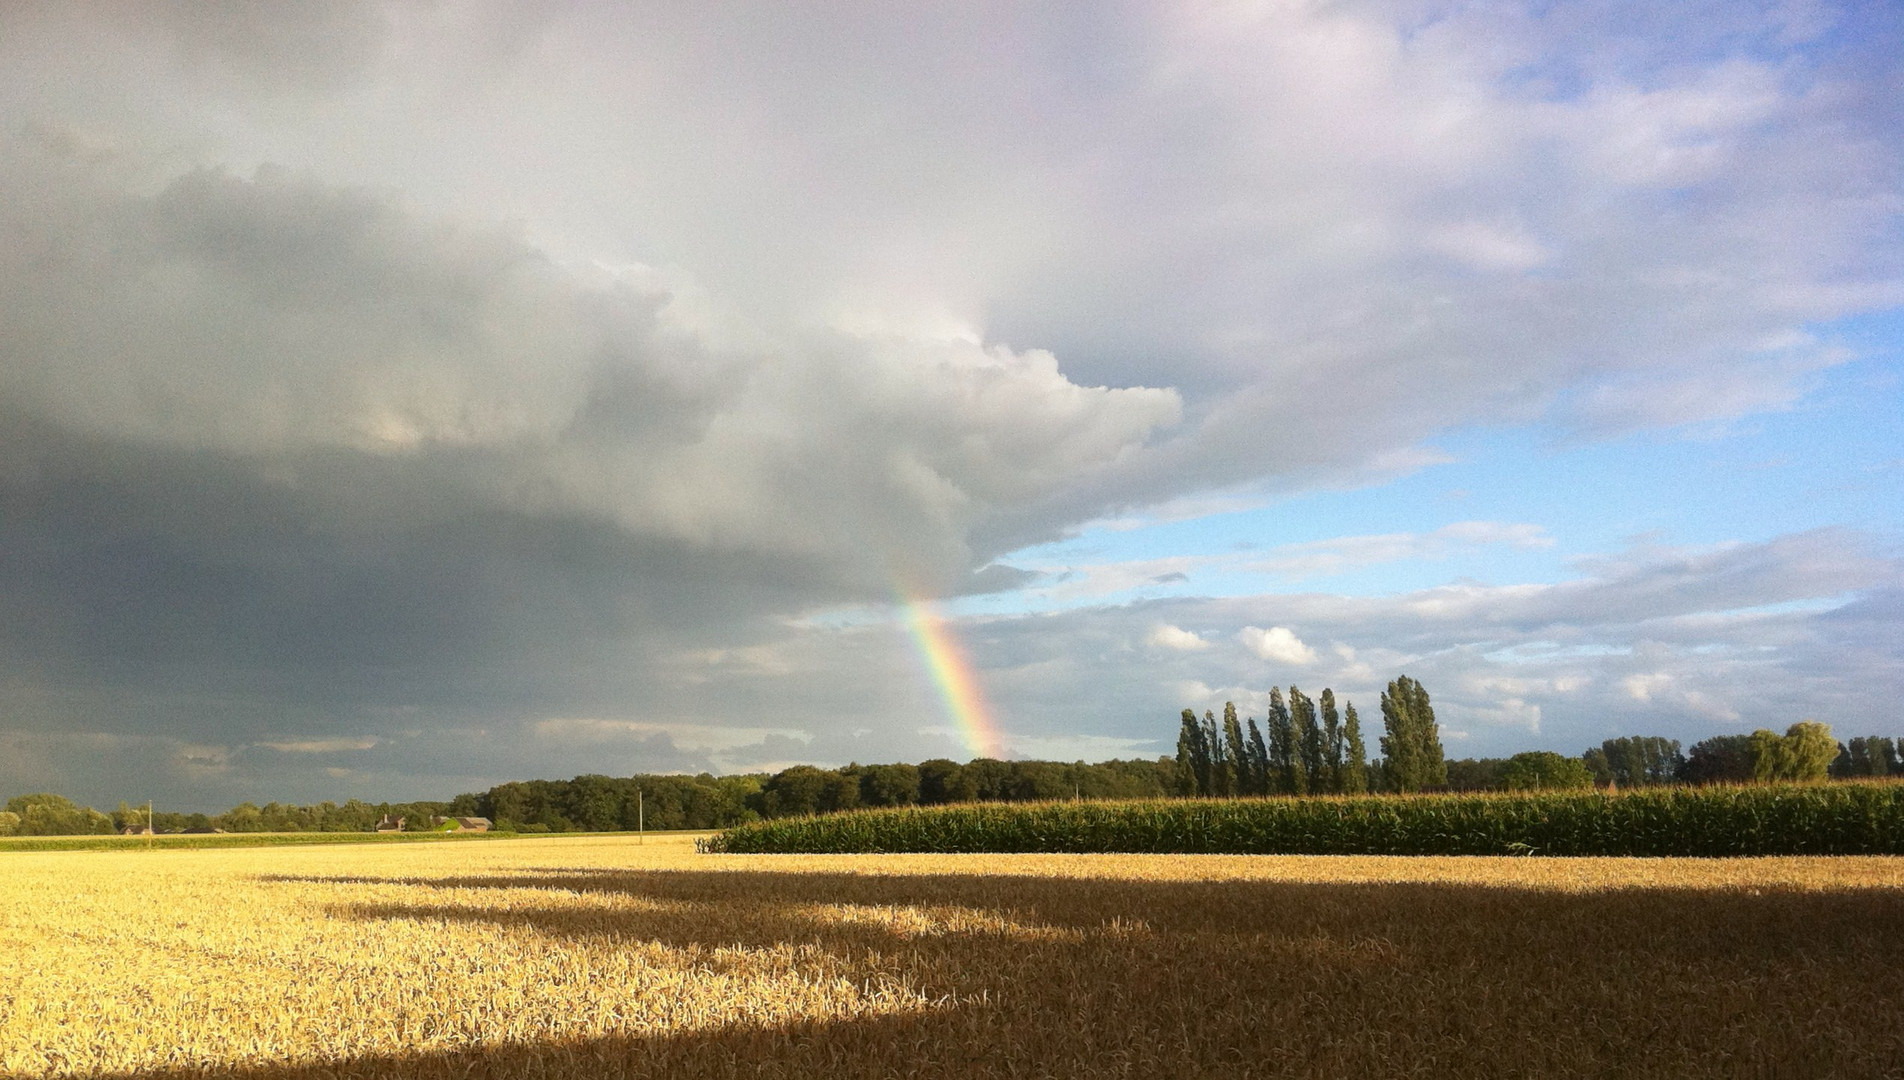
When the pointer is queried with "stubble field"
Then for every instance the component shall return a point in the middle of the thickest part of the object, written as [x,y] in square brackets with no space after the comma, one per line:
[586,957]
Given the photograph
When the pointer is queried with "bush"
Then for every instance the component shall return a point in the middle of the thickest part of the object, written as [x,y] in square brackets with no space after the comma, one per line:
[1849,819]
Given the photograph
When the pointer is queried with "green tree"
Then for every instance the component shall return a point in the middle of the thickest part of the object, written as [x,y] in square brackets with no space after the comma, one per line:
[1378,775]
[1477,774]
[991,778]
[1355,778]
[1866,756]
[1309,744]
[592,803]
[1259,761]
[1235,753]
[243,818]
[793,792]
[1809,750]
[889,785]
[1411,749]
[942,780]
[1330,777]
[1285,757]
[1804,753]
[731,800]
[840,790]
[505,805]
[1594,759]
[1769,757]
[1193,757]
[1638,761]
[1722,759]
[47,814]
[1221,772]
[1544,770]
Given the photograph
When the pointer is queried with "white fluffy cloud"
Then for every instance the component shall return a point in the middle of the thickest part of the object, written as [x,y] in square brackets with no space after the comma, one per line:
[1166,636]
[1278,644]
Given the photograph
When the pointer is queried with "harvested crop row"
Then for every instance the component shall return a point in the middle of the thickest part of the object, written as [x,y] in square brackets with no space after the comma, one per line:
[1834,819]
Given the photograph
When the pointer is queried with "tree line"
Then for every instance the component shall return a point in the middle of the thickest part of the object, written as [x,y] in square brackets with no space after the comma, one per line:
[600,803]
[46,814]
[1807,752]
[596,803]
[1309,749]
[604,803]
[1304,746]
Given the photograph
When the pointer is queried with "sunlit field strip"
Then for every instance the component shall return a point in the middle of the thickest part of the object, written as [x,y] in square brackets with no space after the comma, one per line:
[578,957]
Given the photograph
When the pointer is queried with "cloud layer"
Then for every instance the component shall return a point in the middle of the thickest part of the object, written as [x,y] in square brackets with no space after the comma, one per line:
[547,378]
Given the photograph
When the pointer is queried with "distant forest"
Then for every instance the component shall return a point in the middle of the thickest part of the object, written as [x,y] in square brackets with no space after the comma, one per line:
[1307,748]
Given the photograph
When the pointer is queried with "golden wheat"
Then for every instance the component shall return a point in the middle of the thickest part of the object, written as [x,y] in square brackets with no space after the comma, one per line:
[580,957]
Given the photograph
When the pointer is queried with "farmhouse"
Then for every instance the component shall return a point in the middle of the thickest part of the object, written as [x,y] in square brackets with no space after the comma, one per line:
[460,824]
[391,823]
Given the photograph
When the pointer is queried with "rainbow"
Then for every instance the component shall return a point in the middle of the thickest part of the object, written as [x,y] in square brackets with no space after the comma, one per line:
[957,680]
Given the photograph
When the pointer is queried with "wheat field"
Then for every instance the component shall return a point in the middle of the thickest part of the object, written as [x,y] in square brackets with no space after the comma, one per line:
[587,957]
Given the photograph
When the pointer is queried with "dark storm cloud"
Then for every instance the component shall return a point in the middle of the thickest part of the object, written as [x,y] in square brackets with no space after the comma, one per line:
[345,581]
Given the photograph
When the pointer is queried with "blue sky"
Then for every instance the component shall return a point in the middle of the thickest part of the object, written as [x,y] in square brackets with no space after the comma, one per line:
[1834,458]
[396,400]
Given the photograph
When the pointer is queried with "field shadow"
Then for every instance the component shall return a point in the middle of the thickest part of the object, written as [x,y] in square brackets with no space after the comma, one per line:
[1096,977]
[1758,924]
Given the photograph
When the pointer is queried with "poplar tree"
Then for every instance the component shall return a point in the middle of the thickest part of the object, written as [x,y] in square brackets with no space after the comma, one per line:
[1193,758]
[1259,761]
[1221,775]
[1285,757]
[1302,715]
[1355,755]
[1236,750]
[1331,743]
[1412,747]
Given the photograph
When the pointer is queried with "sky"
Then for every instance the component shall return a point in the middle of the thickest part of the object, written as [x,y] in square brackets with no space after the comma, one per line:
[397,399]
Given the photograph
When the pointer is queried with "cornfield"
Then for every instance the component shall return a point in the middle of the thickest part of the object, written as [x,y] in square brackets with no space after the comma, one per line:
[1815,819]
[603,957]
